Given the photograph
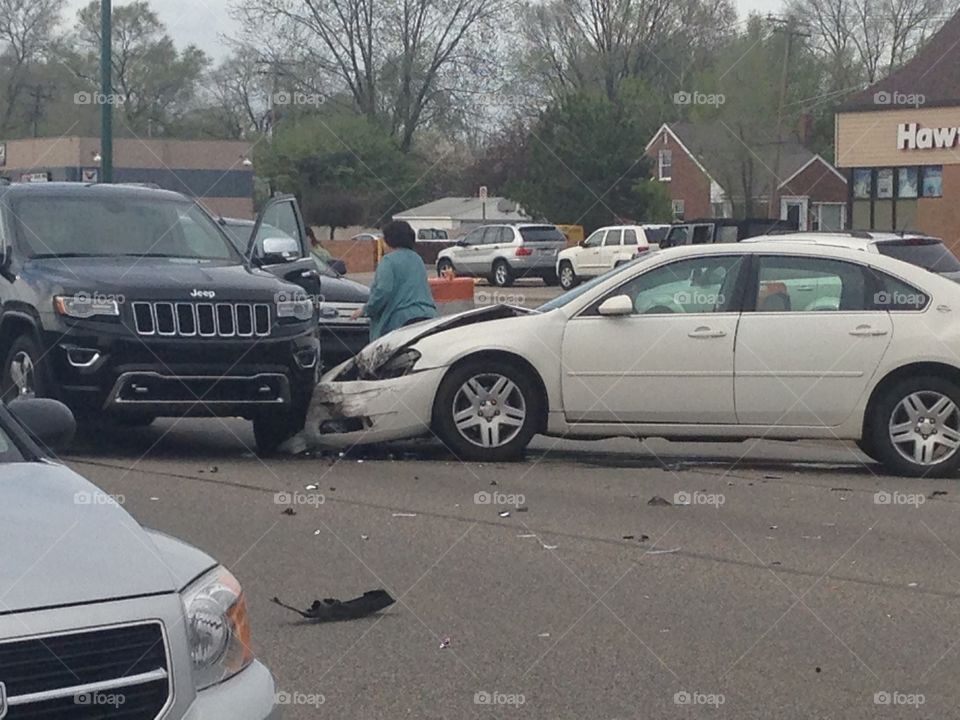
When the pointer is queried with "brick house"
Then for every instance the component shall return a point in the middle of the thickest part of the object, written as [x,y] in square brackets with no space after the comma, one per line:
[710,172]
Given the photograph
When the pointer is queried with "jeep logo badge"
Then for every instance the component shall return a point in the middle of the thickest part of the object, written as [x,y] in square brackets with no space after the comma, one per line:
[3,701]
[205,294]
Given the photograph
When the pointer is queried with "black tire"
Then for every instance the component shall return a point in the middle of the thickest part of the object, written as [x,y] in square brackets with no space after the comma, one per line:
[551,279]
[568,277]
[866,447]
[502,274]
[525,394]
[442,266]
[23,351]
[887,409]
[271,430]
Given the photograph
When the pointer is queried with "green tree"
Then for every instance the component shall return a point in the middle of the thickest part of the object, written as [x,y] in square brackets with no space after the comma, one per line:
[155,83]
[586,165]
[345,169]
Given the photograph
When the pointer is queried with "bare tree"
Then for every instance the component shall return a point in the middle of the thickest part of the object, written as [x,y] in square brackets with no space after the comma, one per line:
[27,29]
[399,60]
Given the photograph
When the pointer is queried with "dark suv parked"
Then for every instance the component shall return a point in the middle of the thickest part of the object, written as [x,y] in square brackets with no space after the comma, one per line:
[132,303]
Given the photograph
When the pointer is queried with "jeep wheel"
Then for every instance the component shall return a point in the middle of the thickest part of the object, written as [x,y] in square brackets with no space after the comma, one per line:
[487,410]
[22,372]
[915,427]
[568,278]
[502,274]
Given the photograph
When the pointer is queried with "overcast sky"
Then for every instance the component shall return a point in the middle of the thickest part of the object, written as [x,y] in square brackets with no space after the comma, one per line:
[204,23]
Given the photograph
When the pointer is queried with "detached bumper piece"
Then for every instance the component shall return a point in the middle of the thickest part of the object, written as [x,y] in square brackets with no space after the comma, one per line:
[142,389]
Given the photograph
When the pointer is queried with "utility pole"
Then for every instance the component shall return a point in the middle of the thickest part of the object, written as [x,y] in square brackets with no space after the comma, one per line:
[38,94]
[787,27]
[106,90]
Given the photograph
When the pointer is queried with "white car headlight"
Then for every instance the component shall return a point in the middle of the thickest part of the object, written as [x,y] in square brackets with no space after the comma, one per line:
[218,628]
[84,306]
[301,309]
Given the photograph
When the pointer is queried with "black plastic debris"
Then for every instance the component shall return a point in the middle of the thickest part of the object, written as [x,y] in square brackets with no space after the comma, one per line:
[638,538]
[937,493]
[289,511]
[658,501]
[522,508]
[333,610]
[841,489]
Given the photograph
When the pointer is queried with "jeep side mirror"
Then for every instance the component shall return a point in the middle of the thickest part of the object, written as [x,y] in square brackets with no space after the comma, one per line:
[279,250]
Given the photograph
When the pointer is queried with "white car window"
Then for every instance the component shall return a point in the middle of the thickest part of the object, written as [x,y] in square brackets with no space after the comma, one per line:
[595,240]
[629,236]
[696,285]
[807,284]
[613,238]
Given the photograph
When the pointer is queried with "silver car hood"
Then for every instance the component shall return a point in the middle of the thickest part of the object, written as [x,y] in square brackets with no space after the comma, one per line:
[66,543]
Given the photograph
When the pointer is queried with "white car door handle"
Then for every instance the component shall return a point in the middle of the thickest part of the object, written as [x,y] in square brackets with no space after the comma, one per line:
[705,332]
[867,331]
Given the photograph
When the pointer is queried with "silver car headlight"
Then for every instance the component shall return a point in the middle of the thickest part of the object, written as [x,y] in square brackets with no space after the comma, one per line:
[218,627]
[301,309]
[83,305]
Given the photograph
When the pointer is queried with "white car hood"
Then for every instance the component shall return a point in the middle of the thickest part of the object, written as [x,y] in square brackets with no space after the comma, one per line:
[381,350]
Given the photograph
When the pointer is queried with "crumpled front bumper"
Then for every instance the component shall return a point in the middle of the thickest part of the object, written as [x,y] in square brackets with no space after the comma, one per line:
[359,412]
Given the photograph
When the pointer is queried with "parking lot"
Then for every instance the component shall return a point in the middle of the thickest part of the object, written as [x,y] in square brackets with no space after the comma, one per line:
[797,582]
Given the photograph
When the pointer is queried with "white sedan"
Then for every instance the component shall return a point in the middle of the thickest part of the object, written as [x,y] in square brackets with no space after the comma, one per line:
[769,339]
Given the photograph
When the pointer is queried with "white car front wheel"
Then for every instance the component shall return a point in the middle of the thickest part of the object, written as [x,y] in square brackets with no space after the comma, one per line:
[568,278]
[487,410]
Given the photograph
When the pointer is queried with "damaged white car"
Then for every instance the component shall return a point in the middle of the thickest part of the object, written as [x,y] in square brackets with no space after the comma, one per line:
[773,339]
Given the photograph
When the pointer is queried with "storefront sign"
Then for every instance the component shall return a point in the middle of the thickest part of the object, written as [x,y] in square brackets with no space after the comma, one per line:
[912,136]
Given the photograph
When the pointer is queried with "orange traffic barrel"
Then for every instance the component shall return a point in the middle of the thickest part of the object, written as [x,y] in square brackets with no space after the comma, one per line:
[452,294]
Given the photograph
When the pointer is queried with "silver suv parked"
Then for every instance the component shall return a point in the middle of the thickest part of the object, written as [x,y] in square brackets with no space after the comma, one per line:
[100,617]
[504,253]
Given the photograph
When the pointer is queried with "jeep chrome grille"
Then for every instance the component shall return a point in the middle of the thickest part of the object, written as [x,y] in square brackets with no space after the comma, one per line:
[119,671]
[187,319]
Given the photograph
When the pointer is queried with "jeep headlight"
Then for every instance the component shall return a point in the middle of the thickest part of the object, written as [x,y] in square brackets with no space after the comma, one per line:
[218,628]
[84,305]
[301,309]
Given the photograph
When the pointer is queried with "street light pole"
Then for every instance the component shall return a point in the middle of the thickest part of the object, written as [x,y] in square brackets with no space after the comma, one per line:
[106,89]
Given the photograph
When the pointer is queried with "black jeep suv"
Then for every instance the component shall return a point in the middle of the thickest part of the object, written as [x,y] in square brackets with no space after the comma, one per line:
[130,303]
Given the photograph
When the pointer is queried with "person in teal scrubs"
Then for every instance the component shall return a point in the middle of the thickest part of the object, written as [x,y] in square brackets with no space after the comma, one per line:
[400,294]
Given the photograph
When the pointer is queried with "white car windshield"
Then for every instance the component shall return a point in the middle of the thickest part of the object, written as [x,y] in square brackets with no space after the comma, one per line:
[576,292]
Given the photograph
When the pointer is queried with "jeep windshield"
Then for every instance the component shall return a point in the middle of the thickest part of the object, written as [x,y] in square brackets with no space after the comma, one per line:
[69,226]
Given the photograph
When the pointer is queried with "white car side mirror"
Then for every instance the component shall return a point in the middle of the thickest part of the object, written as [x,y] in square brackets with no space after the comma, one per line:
[617,305]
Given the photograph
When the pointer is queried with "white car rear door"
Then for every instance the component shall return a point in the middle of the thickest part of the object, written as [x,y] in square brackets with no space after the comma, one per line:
[807,353]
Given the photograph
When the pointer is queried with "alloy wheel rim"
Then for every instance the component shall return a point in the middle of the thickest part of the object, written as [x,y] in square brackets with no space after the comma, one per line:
[501,274]
[22,374]
[566,275]
[489,410]
[924,428]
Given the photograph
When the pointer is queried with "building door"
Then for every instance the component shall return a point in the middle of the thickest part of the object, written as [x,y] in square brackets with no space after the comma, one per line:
[794,210]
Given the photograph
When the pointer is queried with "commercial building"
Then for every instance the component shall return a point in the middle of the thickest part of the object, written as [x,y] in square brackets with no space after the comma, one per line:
[711,173]
[216,172]
[899,143]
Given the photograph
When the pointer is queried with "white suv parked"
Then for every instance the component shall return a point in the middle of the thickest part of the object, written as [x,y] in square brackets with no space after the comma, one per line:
[605,249]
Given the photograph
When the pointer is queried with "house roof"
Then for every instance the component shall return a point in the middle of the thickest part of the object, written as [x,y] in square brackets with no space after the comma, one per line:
[466,209]
[934,73]
[720,153]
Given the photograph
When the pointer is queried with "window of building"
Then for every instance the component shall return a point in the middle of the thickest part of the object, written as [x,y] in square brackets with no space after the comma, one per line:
[828,216]
[676,209]
[884,183]
[932,181]
[907,182]
[665,164]
[862,183]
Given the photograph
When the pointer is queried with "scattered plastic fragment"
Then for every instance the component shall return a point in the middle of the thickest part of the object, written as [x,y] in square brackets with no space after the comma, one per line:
[522,508]
[811,537]
[937,493]
[493,482]
[316,532]
[527,535]
[364,537]
[311,487]
[331,609]
[841,489]
[445,643]
[658,501]
[154,498]
[543,635]
[773,477]
[504,513]
[913,584]
[289,511]
[404,514]
[549,547]
[662,552]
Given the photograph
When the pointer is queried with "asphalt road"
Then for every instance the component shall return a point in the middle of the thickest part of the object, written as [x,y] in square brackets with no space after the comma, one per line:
[786,590]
